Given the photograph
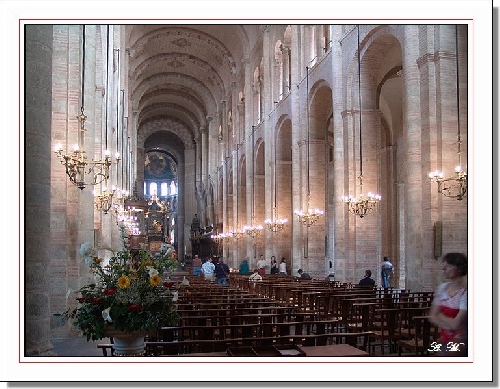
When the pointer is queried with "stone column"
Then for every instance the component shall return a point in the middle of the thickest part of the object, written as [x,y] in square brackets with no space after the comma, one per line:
[285,69]
[38,159]
[263,184]
[204,150]
[336,176]
[140,171]
[414,175]
[298,170]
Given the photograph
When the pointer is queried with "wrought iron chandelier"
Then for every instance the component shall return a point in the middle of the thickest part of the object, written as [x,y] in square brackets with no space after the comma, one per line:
[104,201]
[275,224]
[362,205]
[309,216]
[453,186]
[80,170]
[253,230]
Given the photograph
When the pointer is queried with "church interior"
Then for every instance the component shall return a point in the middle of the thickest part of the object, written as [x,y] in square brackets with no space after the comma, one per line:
[331,147]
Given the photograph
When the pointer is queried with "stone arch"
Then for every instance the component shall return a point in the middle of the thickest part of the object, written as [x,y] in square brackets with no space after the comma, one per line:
[168,125]
[196,88]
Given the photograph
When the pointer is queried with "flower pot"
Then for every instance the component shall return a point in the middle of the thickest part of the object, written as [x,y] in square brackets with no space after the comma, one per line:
[127,344]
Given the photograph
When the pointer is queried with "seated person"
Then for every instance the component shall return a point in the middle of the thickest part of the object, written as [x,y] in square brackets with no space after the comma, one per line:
[255,276]
[367,279]
[304,275]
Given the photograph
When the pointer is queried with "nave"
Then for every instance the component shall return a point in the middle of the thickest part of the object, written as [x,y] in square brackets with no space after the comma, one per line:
[285,316]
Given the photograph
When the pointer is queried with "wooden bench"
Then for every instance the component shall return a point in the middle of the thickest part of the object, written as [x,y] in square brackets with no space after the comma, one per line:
[105,347]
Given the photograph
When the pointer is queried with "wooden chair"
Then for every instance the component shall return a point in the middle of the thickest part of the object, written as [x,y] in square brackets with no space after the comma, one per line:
[420,343]
[389,333]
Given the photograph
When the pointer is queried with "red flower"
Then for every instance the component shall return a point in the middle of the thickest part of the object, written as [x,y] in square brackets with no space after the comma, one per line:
[96,300]
[135,307]
[110,291]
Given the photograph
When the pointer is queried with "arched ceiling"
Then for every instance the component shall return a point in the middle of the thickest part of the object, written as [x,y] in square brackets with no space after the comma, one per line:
[180,74]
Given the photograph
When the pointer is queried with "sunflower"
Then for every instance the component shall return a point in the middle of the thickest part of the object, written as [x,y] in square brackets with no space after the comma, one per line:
[123,282]
[155,280]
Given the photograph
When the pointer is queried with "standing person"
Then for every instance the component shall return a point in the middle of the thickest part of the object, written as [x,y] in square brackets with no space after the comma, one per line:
[261,265]
[387,271]
[196,265]
[367,280]
[449,307]
[282,267]
[221,272]
[208,269]
[274,265]
[244,267]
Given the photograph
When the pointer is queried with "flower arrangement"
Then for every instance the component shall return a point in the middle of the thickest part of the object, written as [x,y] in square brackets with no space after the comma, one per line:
[127,294]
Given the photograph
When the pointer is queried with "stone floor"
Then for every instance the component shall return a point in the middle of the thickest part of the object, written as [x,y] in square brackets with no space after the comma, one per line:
[77,347]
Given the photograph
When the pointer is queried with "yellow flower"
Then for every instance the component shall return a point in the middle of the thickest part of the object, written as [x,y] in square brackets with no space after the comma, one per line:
[148,262]
[123,282]
[155,280]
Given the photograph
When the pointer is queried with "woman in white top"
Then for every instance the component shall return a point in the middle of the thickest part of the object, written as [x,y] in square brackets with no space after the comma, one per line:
[282,267]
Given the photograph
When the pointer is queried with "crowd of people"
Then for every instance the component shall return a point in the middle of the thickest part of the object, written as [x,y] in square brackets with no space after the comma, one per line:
[214,269]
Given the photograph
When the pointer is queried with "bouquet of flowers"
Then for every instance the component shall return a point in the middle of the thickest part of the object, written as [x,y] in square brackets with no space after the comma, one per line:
[127,294]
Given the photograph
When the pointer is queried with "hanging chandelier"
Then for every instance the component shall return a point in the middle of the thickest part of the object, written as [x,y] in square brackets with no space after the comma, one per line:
[253,230]
[453,186]
[361,205]
[80,170]
[275,224]
[309,216]
[104,201]
[217,238]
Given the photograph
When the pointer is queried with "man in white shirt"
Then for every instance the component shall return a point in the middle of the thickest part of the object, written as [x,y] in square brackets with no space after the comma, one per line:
[387,271]
[208,269]
[261,265]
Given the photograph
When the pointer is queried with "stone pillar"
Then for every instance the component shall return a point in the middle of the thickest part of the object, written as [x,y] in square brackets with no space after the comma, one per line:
[298,178]
[140,171]
[137,156]
[414,174]
[37,190]
[285,63]
[204,150]
[336,179]
[263,183]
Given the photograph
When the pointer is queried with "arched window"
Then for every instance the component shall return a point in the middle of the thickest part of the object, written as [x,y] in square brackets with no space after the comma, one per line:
[164,189]
[153,189]
[173,188]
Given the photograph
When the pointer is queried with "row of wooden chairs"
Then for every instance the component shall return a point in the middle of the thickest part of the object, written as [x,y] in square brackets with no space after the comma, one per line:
[187,347]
